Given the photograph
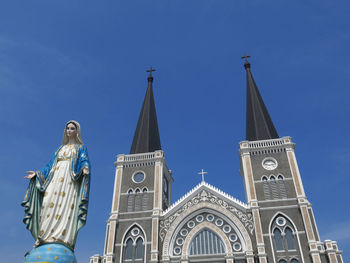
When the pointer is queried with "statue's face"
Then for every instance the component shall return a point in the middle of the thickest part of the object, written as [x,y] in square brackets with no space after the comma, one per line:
[71,130]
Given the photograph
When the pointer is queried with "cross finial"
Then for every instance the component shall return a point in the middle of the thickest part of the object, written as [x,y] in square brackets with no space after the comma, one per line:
[150,70]
[245,57]
[202,173]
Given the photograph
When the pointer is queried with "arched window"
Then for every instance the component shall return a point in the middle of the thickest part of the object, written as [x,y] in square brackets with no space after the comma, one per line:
[134,245]
[282,187]
[128,249]
[139,249]
[206,242]
[266,187]
[278,239]
[130,201]
[274,189]
[294,260]
[282,261]
[290,239]
[144,199]
[137,200]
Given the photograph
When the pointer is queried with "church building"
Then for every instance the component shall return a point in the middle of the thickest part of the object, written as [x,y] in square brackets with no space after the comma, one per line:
[276,224]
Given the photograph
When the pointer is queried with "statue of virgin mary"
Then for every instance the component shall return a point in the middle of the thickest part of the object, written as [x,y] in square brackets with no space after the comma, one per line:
[56,201]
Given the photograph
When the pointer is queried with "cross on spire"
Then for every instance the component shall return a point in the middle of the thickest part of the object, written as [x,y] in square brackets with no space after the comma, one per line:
[202,173]
[150,70]
[245,57]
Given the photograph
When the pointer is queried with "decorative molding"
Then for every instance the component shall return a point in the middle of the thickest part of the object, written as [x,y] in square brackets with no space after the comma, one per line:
[205,196]
[210,187]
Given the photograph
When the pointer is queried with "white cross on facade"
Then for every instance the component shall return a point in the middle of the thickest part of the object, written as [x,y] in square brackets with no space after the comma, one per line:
[202,173]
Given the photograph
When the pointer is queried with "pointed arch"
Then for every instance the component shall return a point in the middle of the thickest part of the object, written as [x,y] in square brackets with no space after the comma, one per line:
[128,249]
[277,236]
[139,249]
[138,199]
[130,201]
[138,242]
[289,238]
[131,227]
[295,231]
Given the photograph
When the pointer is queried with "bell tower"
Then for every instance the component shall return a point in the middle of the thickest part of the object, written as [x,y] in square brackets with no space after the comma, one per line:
[142,189]
[285,227]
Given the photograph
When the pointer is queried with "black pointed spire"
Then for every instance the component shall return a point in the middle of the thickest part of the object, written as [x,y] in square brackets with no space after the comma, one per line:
[146,138]
[259,125]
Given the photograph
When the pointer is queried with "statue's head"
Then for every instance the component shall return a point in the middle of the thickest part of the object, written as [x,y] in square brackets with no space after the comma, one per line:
[72,130]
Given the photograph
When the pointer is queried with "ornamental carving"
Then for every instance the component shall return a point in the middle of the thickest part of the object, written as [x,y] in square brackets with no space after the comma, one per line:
[204,196]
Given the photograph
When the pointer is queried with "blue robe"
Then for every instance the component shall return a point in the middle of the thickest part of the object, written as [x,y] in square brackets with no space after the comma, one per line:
[34,196]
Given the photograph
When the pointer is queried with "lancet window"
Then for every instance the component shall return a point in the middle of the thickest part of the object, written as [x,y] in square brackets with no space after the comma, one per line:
[285,240]
[134,245]
[137,200]
[274,188]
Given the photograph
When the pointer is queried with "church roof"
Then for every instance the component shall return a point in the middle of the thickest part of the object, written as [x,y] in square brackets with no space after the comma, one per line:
[146,137]
[259,125]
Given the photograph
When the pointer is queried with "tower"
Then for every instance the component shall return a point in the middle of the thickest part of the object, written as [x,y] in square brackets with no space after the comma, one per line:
[141,191]
[285,226]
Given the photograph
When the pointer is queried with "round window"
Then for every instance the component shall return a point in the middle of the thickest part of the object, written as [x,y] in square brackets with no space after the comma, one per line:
[135,232]
[199,218]
[210,217]
[281,221]
[177,251]
[233,237]
[138,177]
[227,229]
[184,232]
[219,222]
[191,224]
[237,246]
[180,241]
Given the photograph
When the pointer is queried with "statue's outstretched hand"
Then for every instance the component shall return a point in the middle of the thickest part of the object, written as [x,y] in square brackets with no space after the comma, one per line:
[30,175]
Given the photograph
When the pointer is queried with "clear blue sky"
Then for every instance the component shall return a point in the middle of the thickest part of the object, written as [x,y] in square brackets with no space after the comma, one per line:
[86,60]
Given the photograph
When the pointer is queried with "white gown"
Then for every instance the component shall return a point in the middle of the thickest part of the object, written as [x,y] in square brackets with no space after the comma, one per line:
[60,199]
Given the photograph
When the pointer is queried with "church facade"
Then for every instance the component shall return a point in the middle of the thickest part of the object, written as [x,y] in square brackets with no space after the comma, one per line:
[275,224]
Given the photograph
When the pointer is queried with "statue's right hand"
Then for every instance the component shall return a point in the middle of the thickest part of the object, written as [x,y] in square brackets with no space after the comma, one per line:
[30,175]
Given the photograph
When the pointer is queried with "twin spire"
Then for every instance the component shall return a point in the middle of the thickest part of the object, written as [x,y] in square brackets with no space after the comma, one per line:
[259,125]
[146,138]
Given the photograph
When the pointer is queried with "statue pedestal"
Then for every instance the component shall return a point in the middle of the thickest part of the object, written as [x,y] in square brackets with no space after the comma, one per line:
[50,253]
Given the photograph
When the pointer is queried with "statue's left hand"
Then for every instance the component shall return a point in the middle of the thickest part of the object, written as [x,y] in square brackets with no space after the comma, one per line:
[86,170]
[30,175]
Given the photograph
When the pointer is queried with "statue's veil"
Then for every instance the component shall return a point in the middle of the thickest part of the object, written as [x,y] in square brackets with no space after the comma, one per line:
[77,138]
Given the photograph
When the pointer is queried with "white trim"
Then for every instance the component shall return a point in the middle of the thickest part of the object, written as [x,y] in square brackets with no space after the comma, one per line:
[137,218]
[134,192]
[279,207]
[114,188]
[297,171]
[277,200]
